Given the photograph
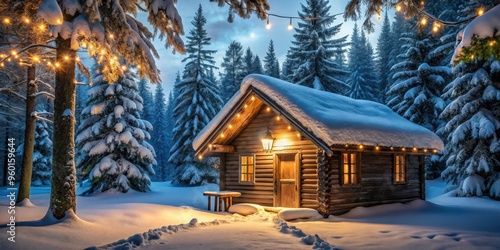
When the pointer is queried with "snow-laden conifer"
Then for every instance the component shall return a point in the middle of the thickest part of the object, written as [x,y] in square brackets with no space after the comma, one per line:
[111,140]
[197,103]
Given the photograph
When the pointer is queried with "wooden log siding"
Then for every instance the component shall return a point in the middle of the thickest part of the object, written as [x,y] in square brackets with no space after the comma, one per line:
[377,182]
[248,142]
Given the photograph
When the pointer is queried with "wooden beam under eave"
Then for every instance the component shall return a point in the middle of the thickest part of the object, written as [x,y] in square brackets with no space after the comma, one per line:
[218,148]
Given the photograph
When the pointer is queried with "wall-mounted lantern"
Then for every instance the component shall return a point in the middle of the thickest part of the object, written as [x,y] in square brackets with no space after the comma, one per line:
[267,141]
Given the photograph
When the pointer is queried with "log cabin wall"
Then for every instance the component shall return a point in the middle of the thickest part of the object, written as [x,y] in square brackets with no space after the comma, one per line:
[287,141]
[377,182]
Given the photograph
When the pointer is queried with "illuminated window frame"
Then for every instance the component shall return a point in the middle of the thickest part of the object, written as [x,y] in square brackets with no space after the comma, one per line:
[351,168]
[400,169]
[247,168]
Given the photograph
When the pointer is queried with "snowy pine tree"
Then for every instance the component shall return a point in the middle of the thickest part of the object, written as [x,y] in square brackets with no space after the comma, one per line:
[362,78]
[257,65]
[383,66]
[111,141]
[472,153]
[198,102]
[147,112]
[247,63]
[232,76]
[419,81]
[271,65]
[160,134]
[42,155]
[313,48]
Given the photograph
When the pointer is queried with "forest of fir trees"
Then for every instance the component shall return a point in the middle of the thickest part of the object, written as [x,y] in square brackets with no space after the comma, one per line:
[408,69]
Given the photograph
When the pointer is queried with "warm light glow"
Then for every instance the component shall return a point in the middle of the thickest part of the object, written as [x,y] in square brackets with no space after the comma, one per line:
[57,64]
[26,20]
[480,12]
[398,8]
[425,150]
[278,118]
[138,66]
[434,151]
[346,145]
[360,146]
[267,141]
[200,157]
[36,59]
[84,45]
[253,98]
[58,21]
[111,36]
[423,21]
[392,148]
[290,26]
[103,51]
[42,26]
[403,149]
[2,64]
[66,58]
[13,52]
[435,28]
[377,148]
[298,135]
[230,126]
[222,135]
[414,149]
[268,24]
[246,106]
[6,20]
[238,115]
[422,2]
[379,16]
[289,127]
[268,109]
[124,67]
[492,43]
[471,56]
[77,59]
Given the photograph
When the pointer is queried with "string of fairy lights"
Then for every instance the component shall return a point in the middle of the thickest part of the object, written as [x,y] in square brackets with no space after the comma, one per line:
[15,55]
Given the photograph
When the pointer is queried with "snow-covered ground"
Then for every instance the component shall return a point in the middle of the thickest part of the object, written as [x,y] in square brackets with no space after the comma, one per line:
[176,218]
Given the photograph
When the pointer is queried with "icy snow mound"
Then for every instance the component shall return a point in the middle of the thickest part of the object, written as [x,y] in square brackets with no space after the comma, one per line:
[473,185]
[297,213]
[334,119]
[495,190]
[245,209]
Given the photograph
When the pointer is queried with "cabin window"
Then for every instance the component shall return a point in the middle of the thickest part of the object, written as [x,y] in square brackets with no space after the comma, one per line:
[400,173]
[350,167]
[247,168]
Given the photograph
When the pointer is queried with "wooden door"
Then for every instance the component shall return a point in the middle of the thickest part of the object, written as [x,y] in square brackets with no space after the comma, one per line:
[286,181]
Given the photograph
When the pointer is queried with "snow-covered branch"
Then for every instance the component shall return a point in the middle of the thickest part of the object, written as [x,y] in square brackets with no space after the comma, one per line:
[45,93]
[42,118]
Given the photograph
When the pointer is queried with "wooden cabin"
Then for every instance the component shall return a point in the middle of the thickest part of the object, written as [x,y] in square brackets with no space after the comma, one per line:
[328,152]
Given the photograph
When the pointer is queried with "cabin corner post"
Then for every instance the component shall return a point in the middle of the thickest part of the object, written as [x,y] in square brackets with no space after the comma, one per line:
[422,176]
[323,185]
[222,172]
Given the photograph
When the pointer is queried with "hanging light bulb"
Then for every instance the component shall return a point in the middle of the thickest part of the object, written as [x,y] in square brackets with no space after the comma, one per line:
[268,24]
[423,21]
[290,26]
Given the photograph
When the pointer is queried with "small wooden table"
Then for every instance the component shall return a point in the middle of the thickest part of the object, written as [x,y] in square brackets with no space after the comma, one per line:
[219,196]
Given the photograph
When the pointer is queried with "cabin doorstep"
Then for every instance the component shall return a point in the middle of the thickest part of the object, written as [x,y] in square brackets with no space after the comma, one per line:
[286,145]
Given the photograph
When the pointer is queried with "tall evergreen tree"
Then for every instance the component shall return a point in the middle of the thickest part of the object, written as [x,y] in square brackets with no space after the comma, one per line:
[198,102]
[147,112]
[271,66]
[232,76]
[247,63]
[473,120]
[313,48]
[160,134]
[419,82]
[383,66]
[111,141]
[361,79]
[42,156]
[257,65]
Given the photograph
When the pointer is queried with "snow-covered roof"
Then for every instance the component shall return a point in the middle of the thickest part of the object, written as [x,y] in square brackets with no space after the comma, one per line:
[481,27]
[333,119]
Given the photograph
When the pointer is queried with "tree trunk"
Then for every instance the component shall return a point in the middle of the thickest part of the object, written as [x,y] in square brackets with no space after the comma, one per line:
[63,193]
[29,137]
